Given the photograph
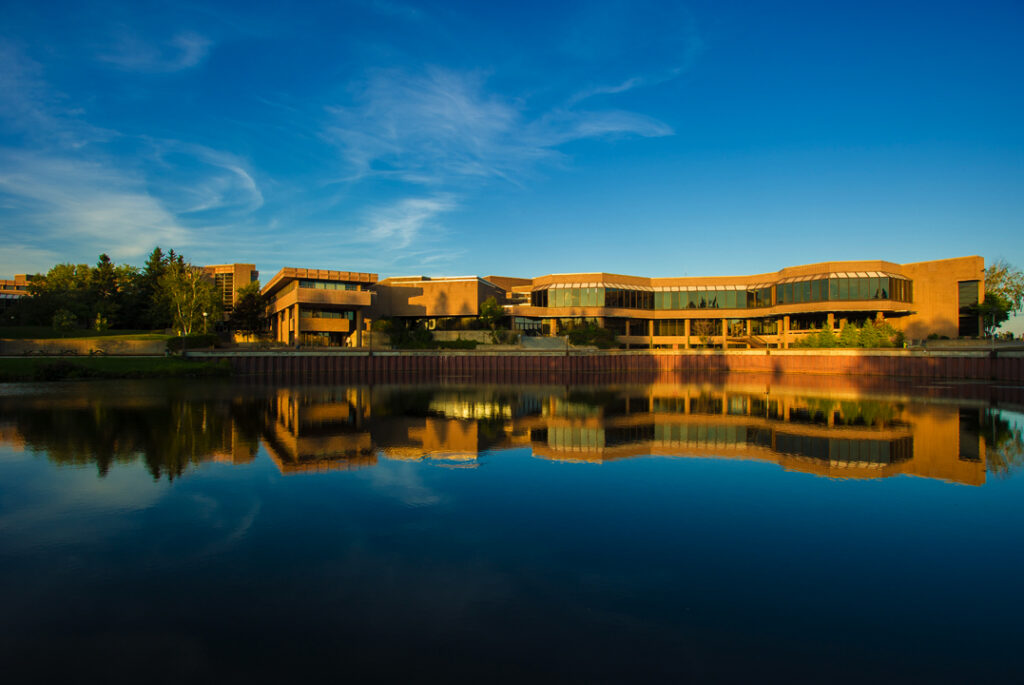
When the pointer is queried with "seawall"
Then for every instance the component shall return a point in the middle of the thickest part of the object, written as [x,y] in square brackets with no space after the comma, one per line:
[590,365]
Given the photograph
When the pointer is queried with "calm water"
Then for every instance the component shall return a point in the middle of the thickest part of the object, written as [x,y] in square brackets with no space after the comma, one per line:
[630,533]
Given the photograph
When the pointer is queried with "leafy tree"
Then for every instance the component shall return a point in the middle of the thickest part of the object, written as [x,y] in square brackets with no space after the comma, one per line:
[994,311]
[249,311]
[1007,281]
[490,314]
[188,292]
[64,321]
[703,329]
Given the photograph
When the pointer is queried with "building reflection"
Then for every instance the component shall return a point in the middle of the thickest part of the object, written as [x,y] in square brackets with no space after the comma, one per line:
[834,434]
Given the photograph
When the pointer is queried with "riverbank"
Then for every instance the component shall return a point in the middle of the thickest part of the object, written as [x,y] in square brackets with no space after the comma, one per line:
[14,369]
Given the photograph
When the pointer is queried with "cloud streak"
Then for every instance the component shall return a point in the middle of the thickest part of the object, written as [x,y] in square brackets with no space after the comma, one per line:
[442,127]
[400,224]
[131,52]
[80,204]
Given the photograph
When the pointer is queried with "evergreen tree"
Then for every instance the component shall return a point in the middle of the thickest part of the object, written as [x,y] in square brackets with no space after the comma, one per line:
[849,336]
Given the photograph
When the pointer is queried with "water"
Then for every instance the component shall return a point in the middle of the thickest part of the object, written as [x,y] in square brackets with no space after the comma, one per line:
[699,530]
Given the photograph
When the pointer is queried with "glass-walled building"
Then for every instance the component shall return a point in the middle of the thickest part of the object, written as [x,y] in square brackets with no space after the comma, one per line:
[766,310]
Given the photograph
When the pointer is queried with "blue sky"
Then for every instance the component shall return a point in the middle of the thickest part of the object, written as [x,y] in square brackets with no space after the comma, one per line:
[703,138]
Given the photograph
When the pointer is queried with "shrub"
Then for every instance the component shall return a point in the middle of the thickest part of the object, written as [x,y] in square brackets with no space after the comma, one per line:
[191,342]
[592,334]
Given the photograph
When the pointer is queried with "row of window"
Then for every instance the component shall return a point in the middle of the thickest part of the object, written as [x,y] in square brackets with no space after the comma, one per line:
[328,285]
[844,289]
[819,290]
[325,314]
[675,327]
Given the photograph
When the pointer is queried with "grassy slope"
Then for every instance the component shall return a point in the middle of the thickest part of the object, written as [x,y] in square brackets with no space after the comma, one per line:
[13,369]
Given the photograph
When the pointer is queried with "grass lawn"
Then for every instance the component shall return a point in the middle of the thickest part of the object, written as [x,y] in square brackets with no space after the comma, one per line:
[47,333]
[17,369]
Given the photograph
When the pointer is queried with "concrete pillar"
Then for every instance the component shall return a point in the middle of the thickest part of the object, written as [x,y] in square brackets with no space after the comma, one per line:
[785,332]
[686,332]
[552,326]
[831,321]
[627,326]
[359,328]
[725,334]
[879,317]
[748,327]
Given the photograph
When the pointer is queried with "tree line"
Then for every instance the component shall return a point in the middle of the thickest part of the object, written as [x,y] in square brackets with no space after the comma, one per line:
[168,292]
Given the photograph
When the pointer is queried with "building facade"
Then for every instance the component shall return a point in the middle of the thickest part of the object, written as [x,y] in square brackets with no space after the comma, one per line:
[772,309]
[229,279]
[318,307]
[12,290]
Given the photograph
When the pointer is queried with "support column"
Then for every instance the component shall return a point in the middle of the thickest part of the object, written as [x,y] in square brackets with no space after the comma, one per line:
[552,327]
[359,328]
[831,321]
[686,332]
[627,327]
[785,332]
[725,334]
[879,318]
[295,323]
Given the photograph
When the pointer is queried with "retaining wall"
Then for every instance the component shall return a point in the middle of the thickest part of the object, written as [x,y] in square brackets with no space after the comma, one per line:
[82,346]
[511,366]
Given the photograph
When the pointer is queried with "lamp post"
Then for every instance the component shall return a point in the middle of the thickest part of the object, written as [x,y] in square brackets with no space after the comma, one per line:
[205,314]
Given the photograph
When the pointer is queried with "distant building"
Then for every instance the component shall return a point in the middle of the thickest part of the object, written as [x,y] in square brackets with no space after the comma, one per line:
[229,279]
[12,290]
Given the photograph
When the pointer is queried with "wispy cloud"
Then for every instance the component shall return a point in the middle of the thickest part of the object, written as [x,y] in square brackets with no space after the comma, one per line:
[78,204]
[132,52]
[400,224]
[442,126]
[443,129]
[196,179]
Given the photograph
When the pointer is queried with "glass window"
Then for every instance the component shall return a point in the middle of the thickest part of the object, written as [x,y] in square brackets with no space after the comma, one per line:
[844,289]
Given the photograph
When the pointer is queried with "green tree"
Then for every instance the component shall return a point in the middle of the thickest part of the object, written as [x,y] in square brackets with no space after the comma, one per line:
[64,321]
[849,336]
[1007,281]
[188,292]
[249,312]
[490,314]
[994,311]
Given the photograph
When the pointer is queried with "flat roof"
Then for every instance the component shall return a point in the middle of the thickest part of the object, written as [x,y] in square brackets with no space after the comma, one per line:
[289,273]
